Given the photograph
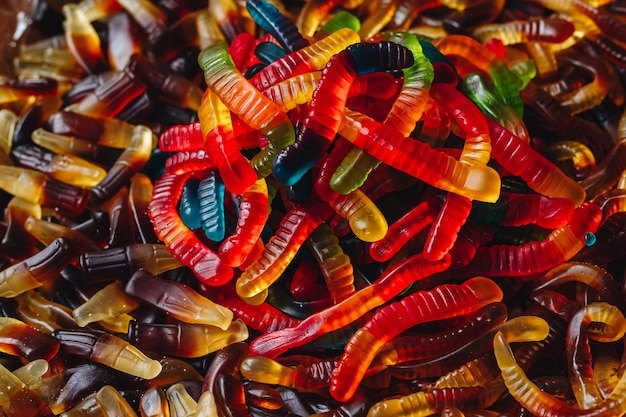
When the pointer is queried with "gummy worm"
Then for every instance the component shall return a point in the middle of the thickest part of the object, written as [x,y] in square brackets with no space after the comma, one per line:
[448,300]
[210,194]
[590,94]
[295,227]
[407,109]
[504,81]
[420,160]
[582,327]
[334,263]
[275,23]
[310,58]
[424,403]
[541,403]
[240,96]
[253,213]
[180,240]
[221,145]
[521,31]
[520,159]
[479,371]
[538,256]
[420,346]
[393,280]
[325,110]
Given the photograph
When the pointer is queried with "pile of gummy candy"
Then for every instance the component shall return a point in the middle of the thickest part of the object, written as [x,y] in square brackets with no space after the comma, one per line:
[330,208]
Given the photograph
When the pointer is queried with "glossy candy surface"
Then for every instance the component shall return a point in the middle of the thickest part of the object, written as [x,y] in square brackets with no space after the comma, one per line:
[330,208]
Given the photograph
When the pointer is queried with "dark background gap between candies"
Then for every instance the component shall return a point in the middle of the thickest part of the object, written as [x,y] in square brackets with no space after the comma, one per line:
[322,208]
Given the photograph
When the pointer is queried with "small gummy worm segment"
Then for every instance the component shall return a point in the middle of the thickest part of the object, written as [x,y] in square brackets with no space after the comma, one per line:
[504,80]
[548,212]
[334,264]
[312,14]
[483,370]
[263,317]
[310,58]
[405,228]
[470,120]
[445,301]
[609,24]
[180,240]
[588,274]
[210,209]
[311,374]
[253,213]
[241,50]
[221,146]
[182,138]
[445,228]
[478,88]
[294,90]
[188,162]
[277,24]
[366,220]
[520,159]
